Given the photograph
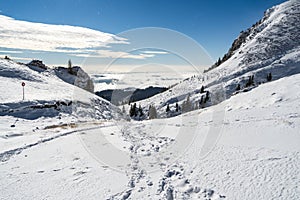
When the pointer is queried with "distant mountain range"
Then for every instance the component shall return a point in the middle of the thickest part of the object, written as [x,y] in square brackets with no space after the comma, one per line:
[123,96]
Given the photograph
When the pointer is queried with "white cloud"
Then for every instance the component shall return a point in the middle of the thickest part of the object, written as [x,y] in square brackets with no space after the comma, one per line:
[24,35]
[155,52]
[72,40]
[4,51]
[113,54]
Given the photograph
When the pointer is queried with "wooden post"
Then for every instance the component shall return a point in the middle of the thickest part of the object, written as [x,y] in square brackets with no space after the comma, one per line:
[23,85]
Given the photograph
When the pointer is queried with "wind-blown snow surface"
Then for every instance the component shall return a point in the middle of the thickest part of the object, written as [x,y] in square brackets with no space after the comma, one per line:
[255,157]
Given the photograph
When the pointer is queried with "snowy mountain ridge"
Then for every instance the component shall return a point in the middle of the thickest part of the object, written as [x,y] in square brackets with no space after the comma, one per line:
[46,95]
[270,46]
[73,75]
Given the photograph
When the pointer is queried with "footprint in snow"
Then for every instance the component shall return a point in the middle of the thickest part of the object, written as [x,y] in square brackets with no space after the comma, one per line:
[79,173]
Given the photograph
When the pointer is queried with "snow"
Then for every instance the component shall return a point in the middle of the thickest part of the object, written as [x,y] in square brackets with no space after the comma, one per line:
[256,155]
[272,47]
[48,101]
[77,77]
[244,145]
[37,84]
[47,95]
[65,171]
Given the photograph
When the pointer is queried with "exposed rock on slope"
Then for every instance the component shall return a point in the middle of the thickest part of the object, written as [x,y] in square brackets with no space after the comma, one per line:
[76,76]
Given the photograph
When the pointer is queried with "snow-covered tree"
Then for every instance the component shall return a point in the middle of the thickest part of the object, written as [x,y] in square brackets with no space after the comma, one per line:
[187,105]
[123,109]
[152,112]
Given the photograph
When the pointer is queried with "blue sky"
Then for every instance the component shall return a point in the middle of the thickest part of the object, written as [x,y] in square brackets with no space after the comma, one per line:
[213,24]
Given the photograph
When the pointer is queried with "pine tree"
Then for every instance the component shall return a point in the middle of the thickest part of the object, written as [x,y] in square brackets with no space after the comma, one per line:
[269,77]
[140,111]
[186,105]
[196,106]
[206,97]
[201,101]
[183,106]
[238,87]
[131,111]
[168,108]
[219,62]
[202,89]
[250,81]
[70,67]
[134,110]
[149,110]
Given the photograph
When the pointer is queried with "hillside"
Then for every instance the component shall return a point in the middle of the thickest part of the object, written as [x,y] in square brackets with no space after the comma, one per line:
[255,155]
[73,75]
[46,95]
[270,46]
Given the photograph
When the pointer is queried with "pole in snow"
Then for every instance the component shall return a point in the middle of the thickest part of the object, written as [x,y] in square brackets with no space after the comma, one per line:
[23,85]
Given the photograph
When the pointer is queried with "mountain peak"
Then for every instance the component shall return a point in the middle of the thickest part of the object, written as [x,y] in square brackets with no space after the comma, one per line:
[275,34]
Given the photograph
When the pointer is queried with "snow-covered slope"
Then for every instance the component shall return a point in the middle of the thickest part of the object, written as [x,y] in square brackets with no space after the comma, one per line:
[46,95]
[75,76]
[271,46]
[256,155]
